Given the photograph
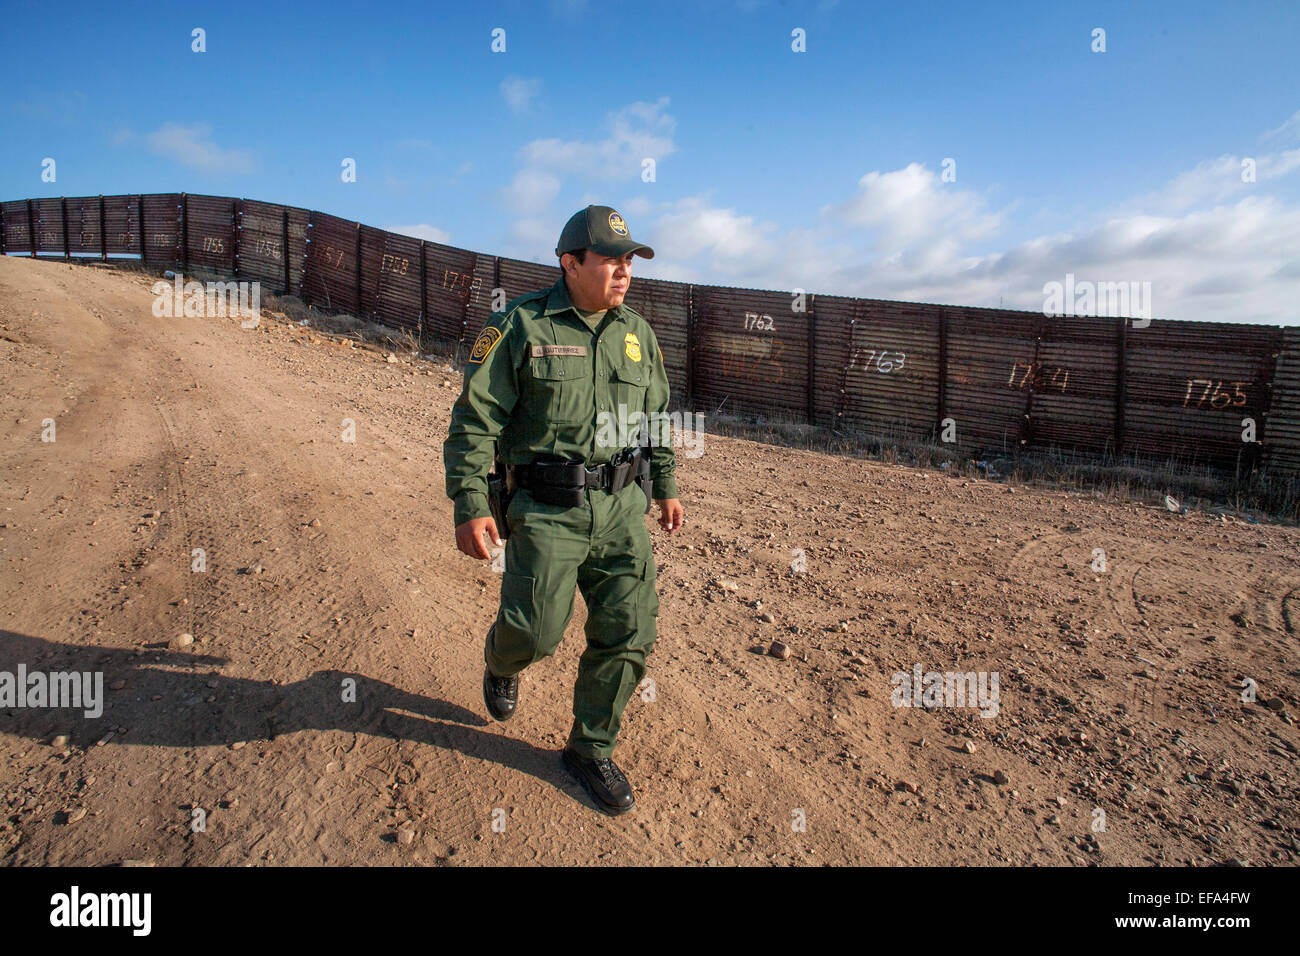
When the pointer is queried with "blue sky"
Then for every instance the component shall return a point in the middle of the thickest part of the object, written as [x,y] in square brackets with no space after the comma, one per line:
[774,169]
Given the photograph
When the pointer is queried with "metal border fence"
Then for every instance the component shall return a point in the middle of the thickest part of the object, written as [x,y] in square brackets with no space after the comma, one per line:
[982,380]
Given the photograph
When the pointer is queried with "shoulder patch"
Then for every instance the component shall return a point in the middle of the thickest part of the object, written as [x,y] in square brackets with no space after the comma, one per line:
[486,341]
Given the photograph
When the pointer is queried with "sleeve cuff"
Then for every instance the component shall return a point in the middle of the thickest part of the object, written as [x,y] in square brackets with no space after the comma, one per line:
[662,489]
[470,505]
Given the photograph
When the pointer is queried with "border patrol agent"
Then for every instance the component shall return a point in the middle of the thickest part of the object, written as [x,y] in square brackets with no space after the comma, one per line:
[557,381]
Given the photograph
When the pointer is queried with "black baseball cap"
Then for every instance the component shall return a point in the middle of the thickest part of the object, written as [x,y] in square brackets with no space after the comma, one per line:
[602,230]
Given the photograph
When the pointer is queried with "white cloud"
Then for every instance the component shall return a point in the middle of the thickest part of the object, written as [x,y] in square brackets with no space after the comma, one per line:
[531,191]
[632,133]
[912,204]
[635,132]
[423,231]
[192,146]
[1287,132]
[521,93]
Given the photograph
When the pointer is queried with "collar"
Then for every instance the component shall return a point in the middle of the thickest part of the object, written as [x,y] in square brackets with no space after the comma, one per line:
[557,300]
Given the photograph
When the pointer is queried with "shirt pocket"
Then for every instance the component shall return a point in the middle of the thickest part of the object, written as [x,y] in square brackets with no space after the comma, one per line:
[630,383]
[561,389]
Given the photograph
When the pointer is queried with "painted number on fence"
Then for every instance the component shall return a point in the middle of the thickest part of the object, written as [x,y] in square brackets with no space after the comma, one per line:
[882,360]
[267,247]
[394,264]
[1035,375]
[1214,393]
[213,244]
[461,281]
[758,323]
[333,257]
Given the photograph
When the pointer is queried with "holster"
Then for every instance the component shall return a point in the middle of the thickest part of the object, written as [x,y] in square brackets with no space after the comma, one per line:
[643,475]
[500,491]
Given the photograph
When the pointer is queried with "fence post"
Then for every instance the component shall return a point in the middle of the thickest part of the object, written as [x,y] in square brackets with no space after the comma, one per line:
[306,257]
[2,230]
[1121,381]
[812,364]
[31,229]
[690,346]
[139,222]
[103,236]
[185,233]
[236,214]
[941,402]
[284,247]
[63,214]
[424,293]
[358,257]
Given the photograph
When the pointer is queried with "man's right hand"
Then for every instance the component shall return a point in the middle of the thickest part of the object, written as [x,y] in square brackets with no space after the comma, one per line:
[469,536]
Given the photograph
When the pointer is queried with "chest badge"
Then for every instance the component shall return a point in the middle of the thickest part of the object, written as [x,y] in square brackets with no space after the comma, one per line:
[632,346]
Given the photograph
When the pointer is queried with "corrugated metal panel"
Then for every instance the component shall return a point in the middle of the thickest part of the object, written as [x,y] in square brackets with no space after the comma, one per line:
[889,379]
[834,318]
[162,229]
[1189,385]
[83,225]
[261,246]
[47,218]
[458,282]
[750,353]
[666,306]
[14,216]
[122,225]
[480,289]
[331,282]
[986,389]
[210,233]
[1281,435]
[1073,385]
[390,278]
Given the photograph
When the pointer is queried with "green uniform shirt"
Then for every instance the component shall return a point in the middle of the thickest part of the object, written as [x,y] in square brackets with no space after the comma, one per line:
[539,380]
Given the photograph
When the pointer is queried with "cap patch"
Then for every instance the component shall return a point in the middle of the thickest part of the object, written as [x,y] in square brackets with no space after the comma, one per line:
[617,224]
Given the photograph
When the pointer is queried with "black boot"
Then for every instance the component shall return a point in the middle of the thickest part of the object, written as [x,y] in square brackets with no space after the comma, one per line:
[501,694]
[603,780]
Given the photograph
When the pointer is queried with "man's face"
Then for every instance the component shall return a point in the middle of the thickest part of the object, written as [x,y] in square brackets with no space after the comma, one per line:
[600,282]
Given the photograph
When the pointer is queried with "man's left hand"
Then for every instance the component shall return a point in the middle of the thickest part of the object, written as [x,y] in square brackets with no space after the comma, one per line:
[670,514]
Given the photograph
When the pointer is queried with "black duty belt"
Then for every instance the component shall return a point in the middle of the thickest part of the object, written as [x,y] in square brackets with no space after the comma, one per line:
[566,482]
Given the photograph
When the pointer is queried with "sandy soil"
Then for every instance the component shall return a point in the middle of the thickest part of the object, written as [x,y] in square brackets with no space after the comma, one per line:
[330,561]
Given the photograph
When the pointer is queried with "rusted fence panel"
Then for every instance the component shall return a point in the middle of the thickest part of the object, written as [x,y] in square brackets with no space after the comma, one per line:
[270,244]
[122,226]
[162,229]
[889,376]
[82,217]
[1071,385]
[1281,434]
[1190,385]
[390,279]
[47,220]
[457,284]
[749,353]
[13,217]
[331,281]
[210,233]
[987,351]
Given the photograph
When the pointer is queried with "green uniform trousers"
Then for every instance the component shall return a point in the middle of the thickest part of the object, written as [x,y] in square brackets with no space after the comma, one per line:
[603,548]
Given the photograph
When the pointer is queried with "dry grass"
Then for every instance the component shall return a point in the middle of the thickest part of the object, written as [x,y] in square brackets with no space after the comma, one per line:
[1261,495]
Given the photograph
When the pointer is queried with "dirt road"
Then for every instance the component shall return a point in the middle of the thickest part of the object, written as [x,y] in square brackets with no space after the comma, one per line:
[329,565]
